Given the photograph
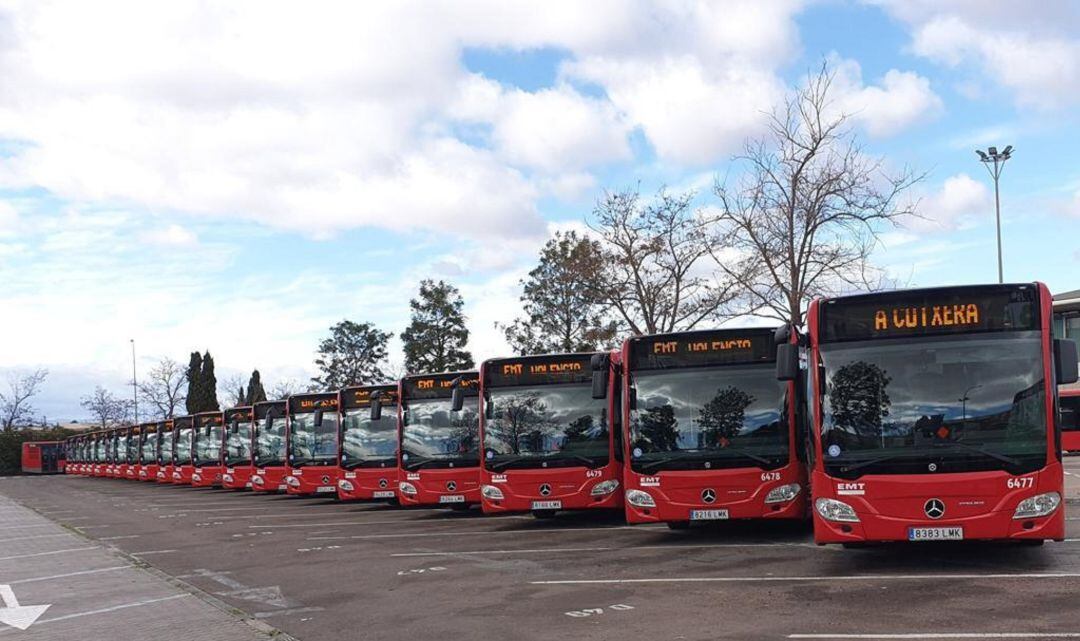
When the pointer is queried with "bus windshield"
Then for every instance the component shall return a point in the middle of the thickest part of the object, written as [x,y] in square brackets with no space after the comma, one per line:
[949,404]
[165,439]
[149,453]
[270,442]
[708,417]
[208,448]
[120,454]
[238,446]
[434,436]
[311,444]
[561,425]
[367,443]
[183,446]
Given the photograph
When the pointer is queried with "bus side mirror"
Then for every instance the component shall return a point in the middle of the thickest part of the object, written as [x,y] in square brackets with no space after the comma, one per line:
[318,418]
[632,400]
[234,427]
[269,420]
[457,396]
[787,362]
[1065,361]
[376,406]
[600,374]
[489,407]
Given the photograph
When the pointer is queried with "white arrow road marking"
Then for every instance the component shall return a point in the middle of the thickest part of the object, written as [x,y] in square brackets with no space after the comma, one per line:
[15,615]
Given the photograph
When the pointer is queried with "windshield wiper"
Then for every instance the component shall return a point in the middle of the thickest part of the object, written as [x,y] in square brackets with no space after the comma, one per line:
[868,463]
[651,465]
[503,464]
[415,462]
[977,447]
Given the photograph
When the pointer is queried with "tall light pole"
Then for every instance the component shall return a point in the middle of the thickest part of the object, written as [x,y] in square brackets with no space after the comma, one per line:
[134,382]
[995,163]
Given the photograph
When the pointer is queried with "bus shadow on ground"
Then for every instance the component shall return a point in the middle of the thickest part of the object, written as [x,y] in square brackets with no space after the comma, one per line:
[947,557]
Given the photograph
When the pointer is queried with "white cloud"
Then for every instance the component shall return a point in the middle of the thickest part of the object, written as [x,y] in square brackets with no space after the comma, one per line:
[171,236]
[9,218]
[1033,52]
[956,203]
[901,100]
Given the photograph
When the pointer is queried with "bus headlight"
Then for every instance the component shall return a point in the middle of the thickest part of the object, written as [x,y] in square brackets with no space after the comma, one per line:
[407,488]
[491,492]
[783,494]
[1038,505]
[227,478]
[257,480]
[833,510]
[292,481]
[603,488]
[196,477]
[345,485]
[637,498]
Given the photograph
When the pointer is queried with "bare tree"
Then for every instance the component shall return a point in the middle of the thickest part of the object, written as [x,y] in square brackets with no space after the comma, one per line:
[107,409]
[165,387]
[657,272]
[15,402]
[805,216]
[231,388]
[285,388]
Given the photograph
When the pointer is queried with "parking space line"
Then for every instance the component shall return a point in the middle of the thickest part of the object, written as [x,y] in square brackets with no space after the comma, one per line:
[114,608]
[946,636]
[117,538]
[39,536]
[19,527]
[64,576]
[409,535]
[27,556]
[151,552]
[672,548]
[338,523]
[783,579]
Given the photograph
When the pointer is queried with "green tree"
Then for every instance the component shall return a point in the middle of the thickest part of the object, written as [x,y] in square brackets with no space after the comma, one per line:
[208,401]
[859,399]
[255,392]
[564,311]
[353,354]
[194,392]
[724,415]
[435,339]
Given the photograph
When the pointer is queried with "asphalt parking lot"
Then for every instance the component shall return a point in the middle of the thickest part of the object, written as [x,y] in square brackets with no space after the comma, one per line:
[318,570]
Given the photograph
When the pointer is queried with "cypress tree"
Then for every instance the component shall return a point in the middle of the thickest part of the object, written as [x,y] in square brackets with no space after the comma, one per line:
[208,385]
[194,378]
[255,392]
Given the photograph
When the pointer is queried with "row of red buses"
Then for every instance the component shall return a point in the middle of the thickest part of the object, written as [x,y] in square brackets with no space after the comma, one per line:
[919,415]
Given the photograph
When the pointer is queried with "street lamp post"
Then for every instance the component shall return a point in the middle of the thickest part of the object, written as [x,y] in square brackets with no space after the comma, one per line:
[134,382]
[995,163]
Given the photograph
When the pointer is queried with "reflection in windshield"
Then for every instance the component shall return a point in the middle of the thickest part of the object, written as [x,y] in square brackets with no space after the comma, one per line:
[728,416]
[311,443]
[431,431]
[238,447]
[551,421]
[270,442]
[121,449]
[208,448]
[366,442]
[914,401]
[149,448]
[166,439]
[183,447]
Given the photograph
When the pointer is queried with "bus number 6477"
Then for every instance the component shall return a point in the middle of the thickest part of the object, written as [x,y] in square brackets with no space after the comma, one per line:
[1021,483]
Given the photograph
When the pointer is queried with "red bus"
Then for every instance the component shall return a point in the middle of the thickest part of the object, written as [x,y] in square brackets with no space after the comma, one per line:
[935,415]
[438,446]
[269,475]
[238,454]
[165,441]
[115,451]
[551,441]
[131,469]
[99,448]
[711,433]
[182,442]
[148,453]
[42,457]
[1070,419]
[312,445]
[73,455]
[207,439]
[368,448]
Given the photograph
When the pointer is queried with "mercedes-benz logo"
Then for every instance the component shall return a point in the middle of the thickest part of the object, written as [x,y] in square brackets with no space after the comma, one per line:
[325,479]
[545,489]
[934,508]
[382,482]
[708,495]
[451,486]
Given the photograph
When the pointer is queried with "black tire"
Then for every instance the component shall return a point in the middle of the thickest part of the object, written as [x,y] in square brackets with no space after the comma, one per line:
[544,514]
[678,525]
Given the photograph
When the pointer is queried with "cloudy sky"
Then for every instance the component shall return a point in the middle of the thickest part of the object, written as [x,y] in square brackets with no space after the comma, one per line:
[239,176]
